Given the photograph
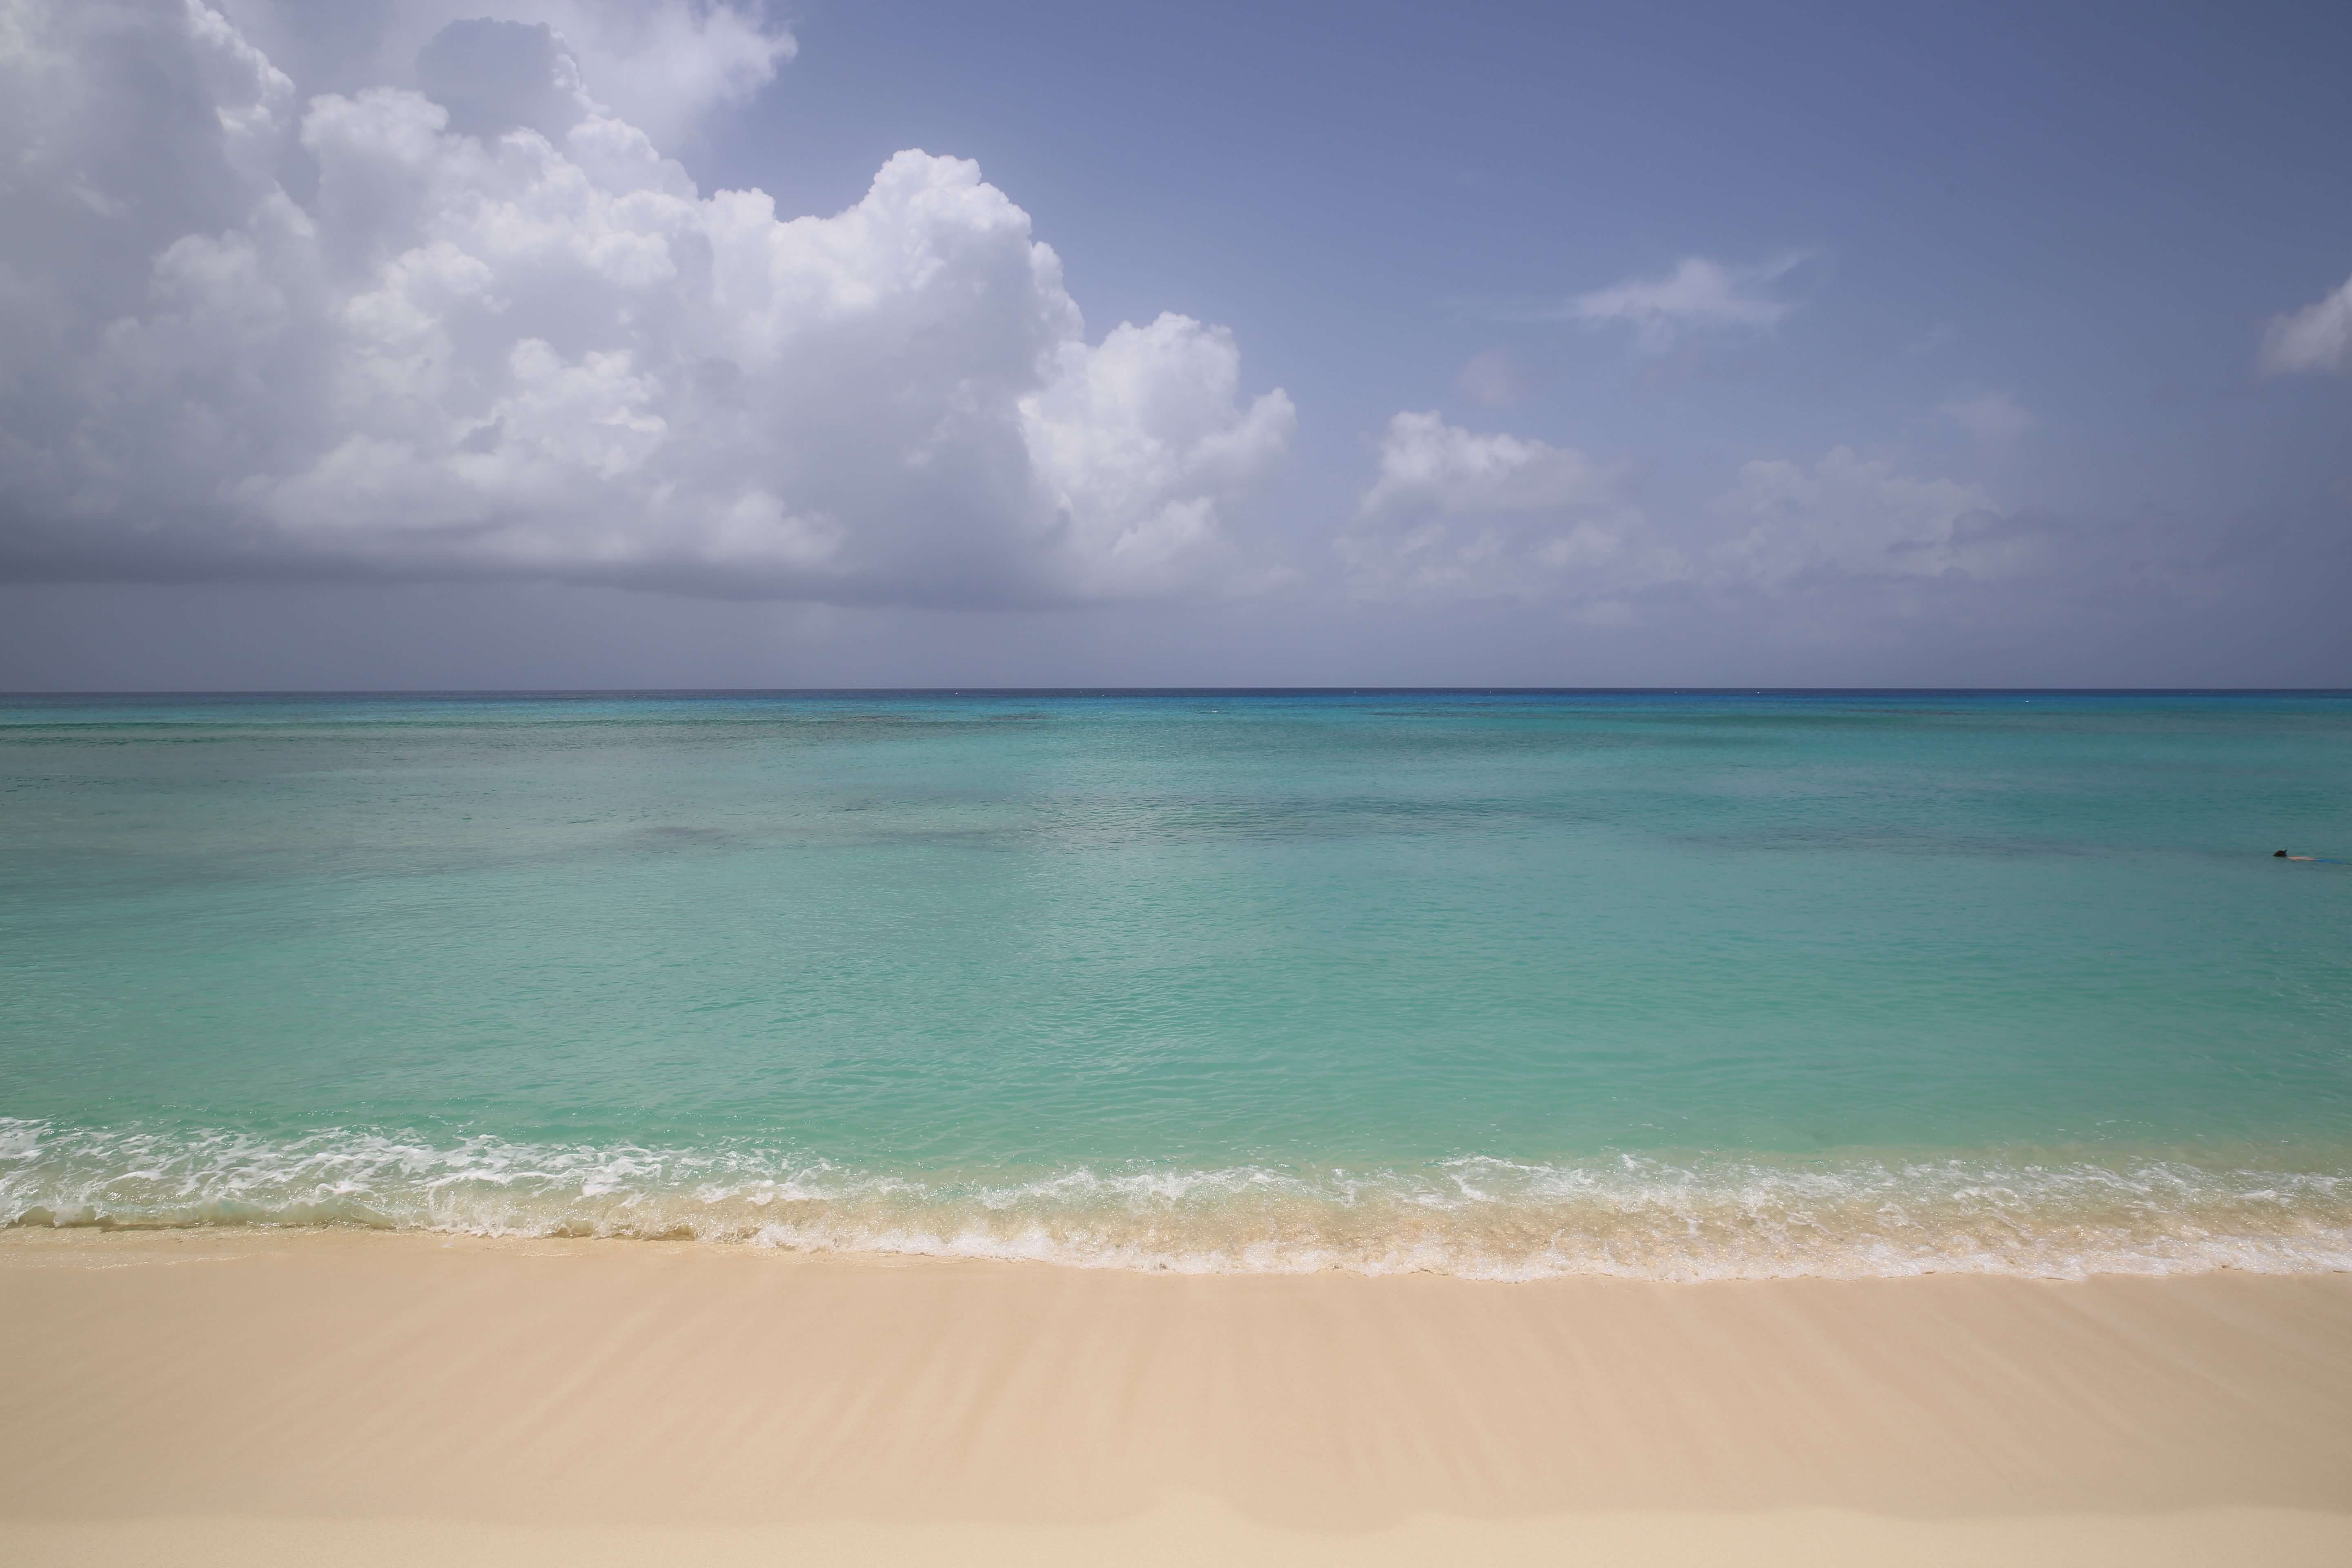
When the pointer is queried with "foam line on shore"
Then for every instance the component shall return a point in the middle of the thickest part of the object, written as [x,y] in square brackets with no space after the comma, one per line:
[1624,1215]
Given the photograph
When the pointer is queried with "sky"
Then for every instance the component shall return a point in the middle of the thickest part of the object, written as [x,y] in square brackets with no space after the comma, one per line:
[678,343]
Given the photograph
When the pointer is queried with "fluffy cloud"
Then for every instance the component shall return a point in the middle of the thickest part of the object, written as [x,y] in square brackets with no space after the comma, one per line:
[1854,517]
[1460,515]
[1696,294]
[2317,338]
[495,332]
[660,64]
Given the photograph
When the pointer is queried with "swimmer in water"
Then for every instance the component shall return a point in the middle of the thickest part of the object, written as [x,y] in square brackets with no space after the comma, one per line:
[2315,859]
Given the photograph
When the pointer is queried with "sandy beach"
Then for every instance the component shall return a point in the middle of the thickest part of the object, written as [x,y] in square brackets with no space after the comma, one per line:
[257,1396]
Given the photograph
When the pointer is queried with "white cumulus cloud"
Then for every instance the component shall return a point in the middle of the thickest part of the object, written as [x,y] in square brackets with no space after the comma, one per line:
[494,330]
[660,64]
[2316,339]
[1456,515]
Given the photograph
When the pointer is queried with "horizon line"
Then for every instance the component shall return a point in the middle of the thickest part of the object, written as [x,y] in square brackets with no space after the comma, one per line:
[1179,690]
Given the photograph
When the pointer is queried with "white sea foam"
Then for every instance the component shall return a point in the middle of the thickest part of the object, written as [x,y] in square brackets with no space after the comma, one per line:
[1623,1215]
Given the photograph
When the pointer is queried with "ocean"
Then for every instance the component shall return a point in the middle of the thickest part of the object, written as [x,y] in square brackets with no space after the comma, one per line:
[1508,985]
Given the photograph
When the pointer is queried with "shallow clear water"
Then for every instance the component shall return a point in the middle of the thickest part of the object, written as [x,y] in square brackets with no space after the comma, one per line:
[1501,983]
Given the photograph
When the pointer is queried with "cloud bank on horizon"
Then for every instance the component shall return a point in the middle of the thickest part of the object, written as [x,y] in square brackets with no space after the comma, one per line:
[402,291]
[1454,515]
[481,325]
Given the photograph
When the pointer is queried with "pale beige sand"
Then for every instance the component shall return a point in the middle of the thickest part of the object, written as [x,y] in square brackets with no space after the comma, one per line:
[340,1398]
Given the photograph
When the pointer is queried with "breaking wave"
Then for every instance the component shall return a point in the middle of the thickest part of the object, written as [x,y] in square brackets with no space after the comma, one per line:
[1623,1215]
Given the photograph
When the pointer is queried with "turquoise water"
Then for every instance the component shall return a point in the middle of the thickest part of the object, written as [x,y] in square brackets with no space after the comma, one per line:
[1505,983]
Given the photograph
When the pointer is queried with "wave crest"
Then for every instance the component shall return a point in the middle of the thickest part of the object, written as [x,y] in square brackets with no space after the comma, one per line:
[1621,1215]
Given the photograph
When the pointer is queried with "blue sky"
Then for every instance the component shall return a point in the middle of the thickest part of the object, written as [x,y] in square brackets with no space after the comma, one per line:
[1795,344]
[2092,209]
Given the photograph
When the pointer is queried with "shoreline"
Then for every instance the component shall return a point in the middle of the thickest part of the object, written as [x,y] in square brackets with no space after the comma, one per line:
[289,1394]
[2277,1256]
[2020,1212]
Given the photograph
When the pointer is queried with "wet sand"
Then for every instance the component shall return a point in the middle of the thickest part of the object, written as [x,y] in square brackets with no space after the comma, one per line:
[263,1397]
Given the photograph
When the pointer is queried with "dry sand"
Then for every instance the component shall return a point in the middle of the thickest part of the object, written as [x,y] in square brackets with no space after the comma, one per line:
[259,1397]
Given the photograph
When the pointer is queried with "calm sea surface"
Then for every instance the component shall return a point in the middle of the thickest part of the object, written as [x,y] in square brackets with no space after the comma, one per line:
[1500,983]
